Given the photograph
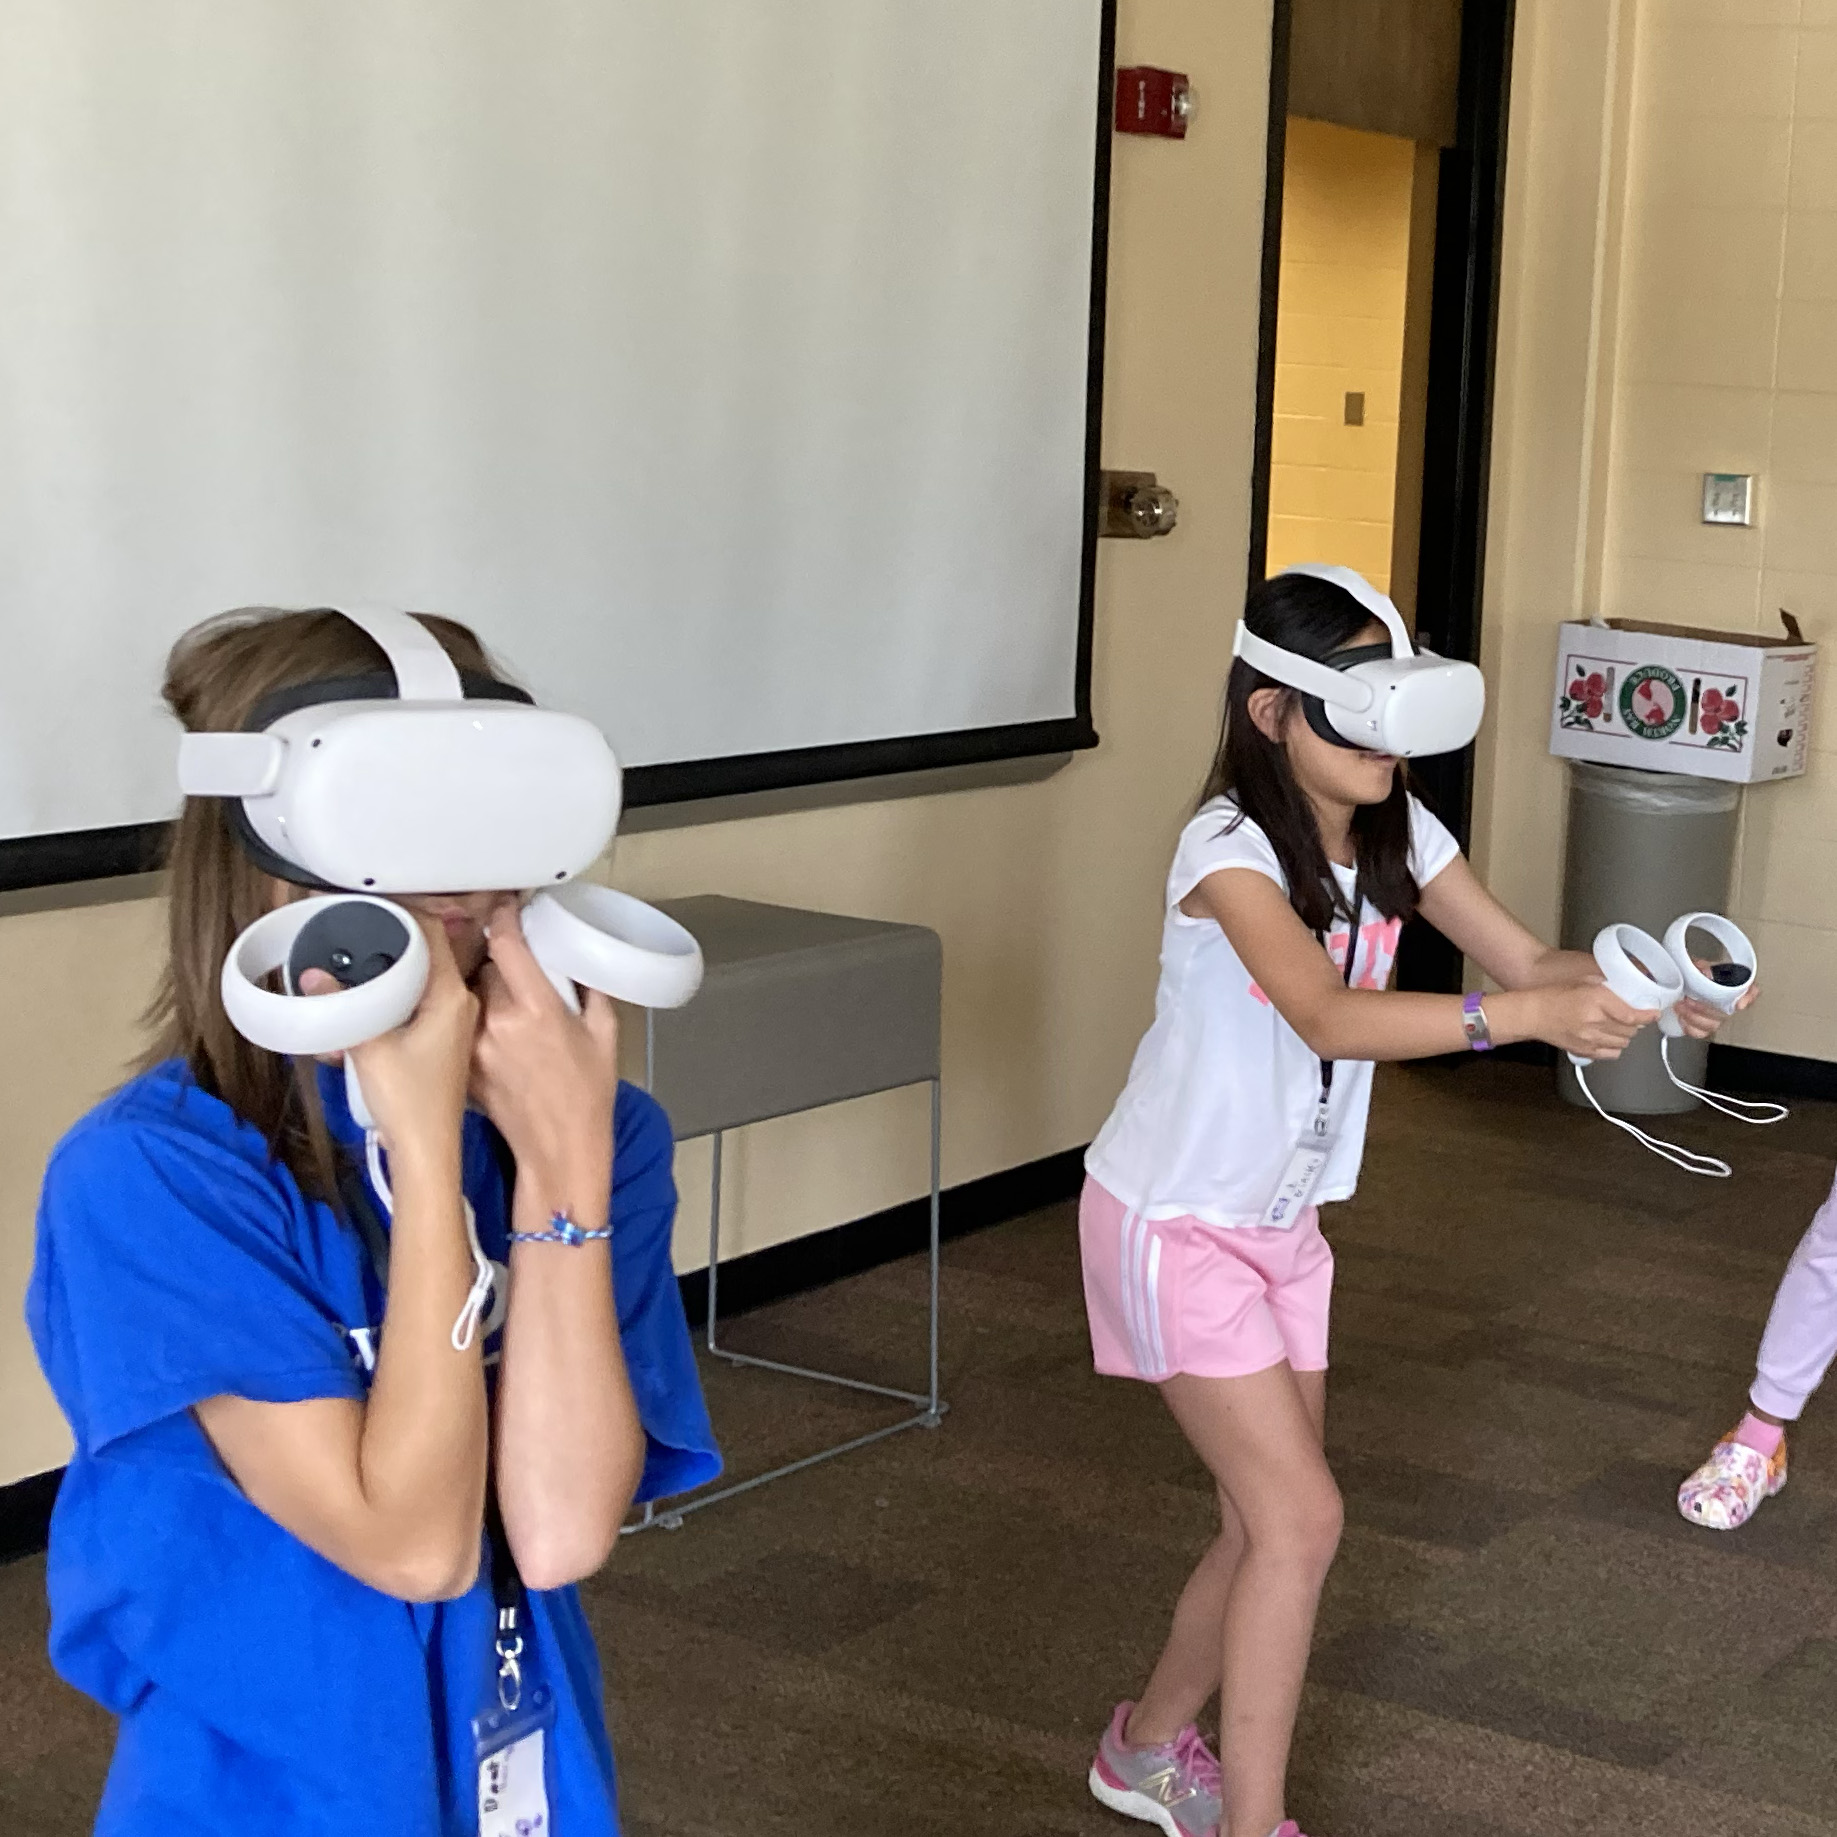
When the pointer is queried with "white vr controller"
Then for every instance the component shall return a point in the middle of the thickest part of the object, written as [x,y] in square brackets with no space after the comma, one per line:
[581,934]
[1647,974]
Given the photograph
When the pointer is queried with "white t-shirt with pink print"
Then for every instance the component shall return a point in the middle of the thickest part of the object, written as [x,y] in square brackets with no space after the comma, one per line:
[1222,1087]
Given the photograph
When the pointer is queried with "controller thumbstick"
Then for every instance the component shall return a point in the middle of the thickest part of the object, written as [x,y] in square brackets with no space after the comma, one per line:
[352,940]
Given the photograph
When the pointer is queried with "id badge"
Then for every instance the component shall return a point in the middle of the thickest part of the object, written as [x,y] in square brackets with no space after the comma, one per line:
[1299,1179]
[512,1749]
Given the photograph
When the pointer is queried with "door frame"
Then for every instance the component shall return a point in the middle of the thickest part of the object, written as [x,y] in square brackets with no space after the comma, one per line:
[1457,432]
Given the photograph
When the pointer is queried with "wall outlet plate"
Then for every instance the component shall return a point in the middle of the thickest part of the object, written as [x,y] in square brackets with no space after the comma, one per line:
[1728,497]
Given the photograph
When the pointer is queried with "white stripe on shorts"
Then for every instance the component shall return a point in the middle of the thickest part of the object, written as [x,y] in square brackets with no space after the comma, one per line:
[1159,1367]
[1126,1272]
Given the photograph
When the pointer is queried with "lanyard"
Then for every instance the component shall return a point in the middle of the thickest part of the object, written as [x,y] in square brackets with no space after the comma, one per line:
[507,1592]
[1352,951]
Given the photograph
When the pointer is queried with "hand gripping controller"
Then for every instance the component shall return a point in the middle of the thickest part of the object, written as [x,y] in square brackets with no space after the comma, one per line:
[1646,974]
[1720,984]
[579,934]
[1637,968]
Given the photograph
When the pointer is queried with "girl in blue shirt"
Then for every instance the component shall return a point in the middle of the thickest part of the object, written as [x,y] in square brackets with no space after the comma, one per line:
[269,1556]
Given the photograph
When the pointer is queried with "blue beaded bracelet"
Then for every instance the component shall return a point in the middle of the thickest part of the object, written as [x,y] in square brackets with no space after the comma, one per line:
[562,1230]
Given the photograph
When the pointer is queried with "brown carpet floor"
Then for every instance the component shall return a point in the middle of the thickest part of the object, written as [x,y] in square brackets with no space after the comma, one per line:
[1538,1329]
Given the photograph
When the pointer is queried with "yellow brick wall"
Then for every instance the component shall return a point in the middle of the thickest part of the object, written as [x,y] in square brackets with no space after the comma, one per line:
[1339,328]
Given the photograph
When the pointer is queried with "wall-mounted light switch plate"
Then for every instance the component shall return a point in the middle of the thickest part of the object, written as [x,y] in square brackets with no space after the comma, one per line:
[1728,497]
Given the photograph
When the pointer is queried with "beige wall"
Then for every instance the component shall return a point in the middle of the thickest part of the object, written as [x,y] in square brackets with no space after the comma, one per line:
[1346,198]
[1047,896]
[1670,309]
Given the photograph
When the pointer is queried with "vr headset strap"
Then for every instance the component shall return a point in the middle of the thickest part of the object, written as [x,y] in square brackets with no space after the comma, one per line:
[423,670]
[1379,605]
[1300,672]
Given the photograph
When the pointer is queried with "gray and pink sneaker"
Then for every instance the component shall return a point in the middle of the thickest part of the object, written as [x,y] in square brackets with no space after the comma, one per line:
[1177,1786]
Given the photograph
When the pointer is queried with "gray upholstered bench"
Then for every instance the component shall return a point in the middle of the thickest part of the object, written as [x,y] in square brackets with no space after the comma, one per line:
[797,1010]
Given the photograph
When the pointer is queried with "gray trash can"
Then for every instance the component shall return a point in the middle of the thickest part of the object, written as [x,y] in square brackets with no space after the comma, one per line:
[1644,848]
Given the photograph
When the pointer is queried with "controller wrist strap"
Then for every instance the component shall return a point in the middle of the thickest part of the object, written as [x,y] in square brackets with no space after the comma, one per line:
[478,1297]
[1742,1109]
[1686,1158]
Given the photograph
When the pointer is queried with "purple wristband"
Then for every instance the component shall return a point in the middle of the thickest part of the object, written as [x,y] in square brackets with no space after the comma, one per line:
[1473,1019]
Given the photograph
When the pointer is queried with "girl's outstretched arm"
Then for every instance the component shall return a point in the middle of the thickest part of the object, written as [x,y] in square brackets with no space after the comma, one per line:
[1472,920]
[1293,969]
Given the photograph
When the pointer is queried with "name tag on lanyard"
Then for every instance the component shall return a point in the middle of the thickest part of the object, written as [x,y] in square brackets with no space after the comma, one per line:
[1306,1163]
[1308,1159]
[513,1788]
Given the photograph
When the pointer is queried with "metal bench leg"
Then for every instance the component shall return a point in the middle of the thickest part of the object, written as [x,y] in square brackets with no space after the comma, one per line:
[935,1414]
[932,1407]
[714,1241]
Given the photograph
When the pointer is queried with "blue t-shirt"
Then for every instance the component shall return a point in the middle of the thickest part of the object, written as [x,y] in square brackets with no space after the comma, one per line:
[261,1688]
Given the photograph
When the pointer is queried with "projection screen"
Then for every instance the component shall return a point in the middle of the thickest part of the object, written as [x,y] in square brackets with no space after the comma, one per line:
[730,365]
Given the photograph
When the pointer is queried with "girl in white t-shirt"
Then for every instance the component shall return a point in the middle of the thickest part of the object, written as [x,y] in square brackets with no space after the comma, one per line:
[1205,1271]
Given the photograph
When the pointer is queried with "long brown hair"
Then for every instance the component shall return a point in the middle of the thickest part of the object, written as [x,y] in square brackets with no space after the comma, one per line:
[216,675]
[1315,618]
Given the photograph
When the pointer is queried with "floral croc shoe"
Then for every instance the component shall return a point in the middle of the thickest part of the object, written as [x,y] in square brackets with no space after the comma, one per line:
[1727,1490]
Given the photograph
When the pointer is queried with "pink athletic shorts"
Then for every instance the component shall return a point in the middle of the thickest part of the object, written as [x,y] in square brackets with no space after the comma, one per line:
[1171,1295]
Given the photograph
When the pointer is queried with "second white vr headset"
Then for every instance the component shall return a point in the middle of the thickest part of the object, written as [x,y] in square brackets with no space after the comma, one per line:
[420,779]
[1382,698]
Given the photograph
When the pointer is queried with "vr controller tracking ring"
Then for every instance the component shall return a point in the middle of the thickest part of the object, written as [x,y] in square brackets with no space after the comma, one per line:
[606,940]
[1647,974]
[1723,992]
[1721,986]
[1638,968]
[335,1022]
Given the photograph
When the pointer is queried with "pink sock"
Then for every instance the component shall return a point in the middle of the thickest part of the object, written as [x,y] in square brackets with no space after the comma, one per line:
[1762,1437]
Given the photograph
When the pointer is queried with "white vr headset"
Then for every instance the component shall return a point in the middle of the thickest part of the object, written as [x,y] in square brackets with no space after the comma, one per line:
[1383,698]
[420,779]
[411,780]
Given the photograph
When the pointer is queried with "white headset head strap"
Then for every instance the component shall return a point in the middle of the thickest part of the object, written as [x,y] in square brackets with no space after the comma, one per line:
[423,670]
[1379,605]
[1334,687]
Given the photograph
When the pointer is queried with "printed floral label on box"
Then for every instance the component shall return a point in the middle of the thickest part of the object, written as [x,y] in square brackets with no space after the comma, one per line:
[1653,702]
[1671,699]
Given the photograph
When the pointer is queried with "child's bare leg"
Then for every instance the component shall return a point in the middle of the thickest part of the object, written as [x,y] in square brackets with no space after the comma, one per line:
[1260,1437]
[1187,1674]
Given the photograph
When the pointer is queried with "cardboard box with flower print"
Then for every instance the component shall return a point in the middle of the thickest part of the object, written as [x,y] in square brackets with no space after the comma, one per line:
[1672,698]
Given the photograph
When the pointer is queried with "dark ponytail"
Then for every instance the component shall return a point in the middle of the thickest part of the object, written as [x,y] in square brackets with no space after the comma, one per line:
[1315,618]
